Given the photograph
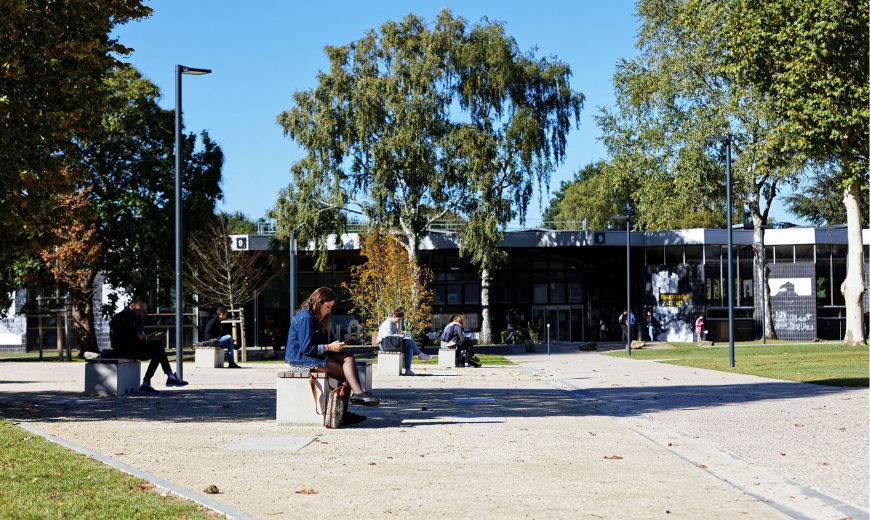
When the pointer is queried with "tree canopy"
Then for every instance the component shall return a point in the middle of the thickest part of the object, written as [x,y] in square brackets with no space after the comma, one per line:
[53,59]
[588,199]
[410,118]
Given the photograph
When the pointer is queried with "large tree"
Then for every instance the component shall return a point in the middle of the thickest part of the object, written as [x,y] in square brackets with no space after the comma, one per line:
[412,118]
[679,90]
[127,187]
[587,200]
[811,58]
[54,56]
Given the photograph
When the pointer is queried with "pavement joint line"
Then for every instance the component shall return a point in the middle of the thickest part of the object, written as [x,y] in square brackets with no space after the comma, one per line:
[175,489]
[780,489]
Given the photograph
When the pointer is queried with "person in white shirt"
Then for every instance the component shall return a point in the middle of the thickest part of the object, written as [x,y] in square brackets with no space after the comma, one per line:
[391,338]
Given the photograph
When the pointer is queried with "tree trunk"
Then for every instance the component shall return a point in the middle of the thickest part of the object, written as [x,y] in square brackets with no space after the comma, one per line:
[82,310]
[853,286]
[485,315]
[762,272]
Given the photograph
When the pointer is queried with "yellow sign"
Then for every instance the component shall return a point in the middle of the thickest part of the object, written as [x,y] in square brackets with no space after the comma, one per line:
[674,299]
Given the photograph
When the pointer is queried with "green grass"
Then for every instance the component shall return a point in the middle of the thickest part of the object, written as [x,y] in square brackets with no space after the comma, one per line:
[832,364]
[43,480]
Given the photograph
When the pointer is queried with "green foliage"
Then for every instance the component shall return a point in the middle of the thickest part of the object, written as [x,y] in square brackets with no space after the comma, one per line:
[44,480]
[53,58]
[237,223]
[410,118]
[679,90]
[588,197]
[811,58]
[820,199]
[131,175]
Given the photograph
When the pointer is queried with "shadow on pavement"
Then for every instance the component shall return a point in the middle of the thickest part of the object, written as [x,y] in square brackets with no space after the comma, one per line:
[401,407]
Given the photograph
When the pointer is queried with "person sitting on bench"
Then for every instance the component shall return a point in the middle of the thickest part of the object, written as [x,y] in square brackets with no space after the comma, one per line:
[390,339]
[214,335]
[128,339]
[453,336]
[308,350]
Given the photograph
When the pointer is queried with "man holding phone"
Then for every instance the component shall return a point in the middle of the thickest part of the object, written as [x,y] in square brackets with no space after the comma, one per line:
[129,340]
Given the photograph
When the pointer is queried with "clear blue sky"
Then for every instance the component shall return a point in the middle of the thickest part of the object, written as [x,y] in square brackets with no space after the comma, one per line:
[264,50]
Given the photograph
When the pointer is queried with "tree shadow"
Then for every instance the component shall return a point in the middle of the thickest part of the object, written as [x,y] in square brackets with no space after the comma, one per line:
[405,407]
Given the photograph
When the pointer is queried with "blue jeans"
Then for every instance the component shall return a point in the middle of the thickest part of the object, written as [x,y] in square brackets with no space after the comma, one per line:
[226,343]
[410,350]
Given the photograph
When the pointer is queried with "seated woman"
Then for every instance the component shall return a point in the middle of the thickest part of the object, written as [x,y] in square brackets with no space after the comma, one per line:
[388,332]
[454,337]
[307,348]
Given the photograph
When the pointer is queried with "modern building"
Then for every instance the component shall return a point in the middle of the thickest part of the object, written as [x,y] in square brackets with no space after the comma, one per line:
[575,281]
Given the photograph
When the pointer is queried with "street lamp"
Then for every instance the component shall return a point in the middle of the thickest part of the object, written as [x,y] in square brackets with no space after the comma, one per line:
[727,140]
[627,219]
[179,70]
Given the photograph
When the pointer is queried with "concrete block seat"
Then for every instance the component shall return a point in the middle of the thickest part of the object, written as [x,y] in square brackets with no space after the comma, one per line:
[295,403]
[208,356]
[390,363]
[107,376]
[446,357]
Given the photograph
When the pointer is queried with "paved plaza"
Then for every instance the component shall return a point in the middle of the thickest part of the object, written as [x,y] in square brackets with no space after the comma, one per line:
[568,435]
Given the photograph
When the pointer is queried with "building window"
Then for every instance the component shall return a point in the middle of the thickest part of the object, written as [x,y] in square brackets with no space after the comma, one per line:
[557,293]
[472,293]
[655,255]
[540,293]
[454,294]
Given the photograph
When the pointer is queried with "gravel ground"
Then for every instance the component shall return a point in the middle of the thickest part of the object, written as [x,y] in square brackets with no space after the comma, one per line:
[572,435]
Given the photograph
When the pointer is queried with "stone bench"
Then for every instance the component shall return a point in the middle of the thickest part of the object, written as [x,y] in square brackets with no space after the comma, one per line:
[390,363]
[446,357]
[364,372]
[112,376]
[295,402]
[206,356]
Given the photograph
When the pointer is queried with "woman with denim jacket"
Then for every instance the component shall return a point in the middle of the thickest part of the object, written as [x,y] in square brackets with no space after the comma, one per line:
[308,350]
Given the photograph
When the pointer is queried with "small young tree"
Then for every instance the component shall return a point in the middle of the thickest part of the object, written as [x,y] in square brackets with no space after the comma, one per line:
[386,281]
[221,276]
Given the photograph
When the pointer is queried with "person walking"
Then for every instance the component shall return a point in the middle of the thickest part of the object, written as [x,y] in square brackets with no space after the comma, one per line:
[699,328]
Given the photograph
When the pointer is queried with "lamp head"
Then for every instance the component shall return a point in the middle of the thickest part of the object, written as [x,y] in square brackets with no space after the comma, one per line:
[192,71]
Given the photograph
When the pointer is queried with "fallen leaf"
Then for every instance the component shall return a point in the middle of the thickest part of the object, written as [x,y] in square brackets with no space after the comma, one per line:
[120,453]
[373,463]
[824,464]
[306,491]
[798,425]
[702,466]
[145,486]
[613,457]
[324,442]
[781,453]
[669,444]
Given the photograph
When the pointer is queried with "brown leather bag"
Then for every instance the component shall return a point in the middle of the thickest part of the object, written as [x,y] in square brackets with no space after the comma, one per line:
[336,406]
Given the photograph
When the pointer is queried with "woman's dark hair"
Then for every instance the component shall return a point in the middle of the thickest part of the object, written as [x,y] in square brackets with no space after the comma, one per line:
[220,309]
[314,301]
[399,312]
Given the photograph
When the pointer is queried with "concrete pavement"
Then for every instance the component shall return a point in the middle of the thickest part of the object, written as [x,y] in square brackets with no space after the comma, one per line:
[570,435]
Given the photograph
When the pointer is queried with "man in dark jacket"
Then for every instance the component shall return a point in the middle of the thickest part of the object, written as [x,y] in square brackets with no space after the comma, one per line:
[129,340]
[215,336]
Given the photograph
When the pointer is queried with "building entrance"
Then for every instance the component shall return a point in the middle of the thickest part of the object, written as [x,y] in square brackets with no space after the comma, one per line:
[566,322]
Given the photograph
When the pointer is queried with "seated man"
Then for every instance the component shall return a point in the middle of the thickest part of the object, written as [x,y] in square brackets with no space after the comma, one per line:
[453,337]
[389,338]
[214,336]
[127,334]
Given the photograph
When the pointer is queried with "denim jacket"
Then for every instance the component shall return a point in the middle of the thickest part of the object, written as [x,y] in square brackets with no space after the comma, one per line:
[306,343]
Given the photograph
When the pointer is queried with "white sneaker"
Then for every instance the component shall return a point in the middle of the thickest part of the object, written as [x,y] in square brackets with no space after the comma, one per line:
[422,356]
[409,373]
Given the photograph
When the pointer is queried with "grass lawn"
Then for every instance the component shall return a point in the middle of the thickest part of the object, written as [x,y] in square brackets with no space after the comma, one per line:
[43,480]
[832,364]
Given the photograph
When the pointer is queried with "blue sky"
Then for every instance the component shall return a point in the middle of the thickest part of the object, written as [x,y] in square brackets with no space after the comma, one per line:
[261,51]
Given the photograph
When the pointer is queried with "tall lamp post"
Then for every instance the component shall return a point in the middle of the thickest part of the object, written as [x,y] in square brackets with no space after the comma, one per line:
[627,219]
[179,293]
[727,140]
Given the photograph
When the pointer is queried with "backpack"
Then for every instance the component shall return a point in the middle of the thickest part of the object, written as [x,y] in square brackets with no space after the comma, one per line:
[447,333]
